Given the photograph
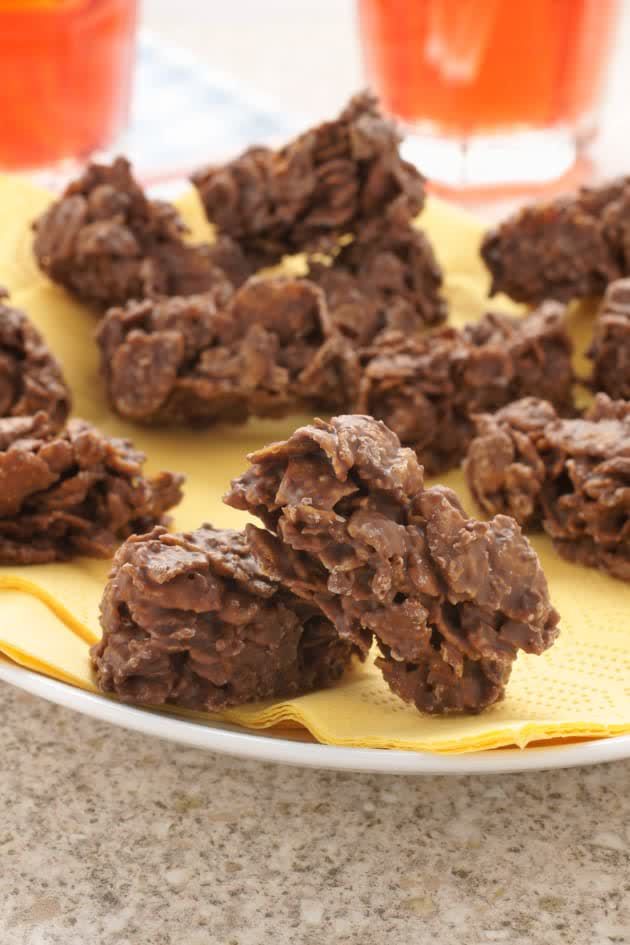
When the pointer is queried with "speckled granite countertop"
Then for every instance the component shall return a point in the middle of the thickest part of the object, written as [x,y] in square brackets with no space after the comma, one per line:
[111,838]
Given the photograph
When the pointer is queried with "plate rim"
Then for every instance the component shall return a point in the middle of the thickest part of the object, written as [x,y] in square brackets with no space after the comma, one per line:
[228,739]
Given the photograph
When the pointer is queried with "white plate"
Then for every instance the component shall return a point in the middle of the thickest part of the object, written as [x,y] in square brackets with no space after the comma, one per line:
[230,740]
[242,120]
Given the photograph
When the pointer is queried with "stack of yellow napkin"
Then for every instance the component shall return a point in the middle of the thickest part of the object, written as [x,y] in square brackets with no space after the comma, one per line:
[49,613]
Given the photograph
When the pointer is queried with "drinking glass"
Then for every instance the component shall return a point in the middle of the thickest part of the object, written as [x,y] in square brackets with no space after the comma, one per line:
[492,92]
[65,77]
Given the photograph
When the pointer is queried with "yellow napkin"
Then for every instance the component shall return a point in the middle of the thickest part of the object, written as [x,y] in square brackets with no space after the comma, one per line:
[49,613]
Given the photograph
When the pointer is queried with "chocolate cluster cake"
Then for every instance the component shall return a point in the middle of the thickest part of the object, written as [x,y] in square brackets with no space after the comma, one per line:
[107,243]
[570,477]
[340,189]
[325,183]
[427,389]
[567,248]
[272,350]
[31,379]
[610,347]
[73,492]
[351,528]
[190,619]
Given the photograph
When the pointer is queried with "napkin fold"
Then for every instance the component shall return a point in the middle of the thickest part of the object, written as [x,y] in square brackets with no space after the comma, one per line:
[49,613]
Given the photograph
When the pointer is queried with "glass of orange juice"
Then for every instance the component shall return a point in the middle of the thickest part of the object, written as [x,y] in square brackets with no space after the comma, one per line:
[65,78]
[492,91]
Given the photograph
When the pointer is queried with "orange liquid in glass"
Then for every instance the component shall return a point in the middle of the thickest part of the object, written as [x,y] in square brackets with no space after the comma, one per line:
[65,73]
[476,66]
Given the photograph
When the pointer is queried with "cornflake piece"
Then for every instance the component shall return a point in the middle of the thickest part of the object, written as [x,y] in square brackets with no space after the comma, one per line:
[30,376]
[570,477]
[353,530]
[190,620]
[386,278]
[105,242]
[568,248]
[610,349]
[320,186]
[271,350]
[77,492]
[426,388]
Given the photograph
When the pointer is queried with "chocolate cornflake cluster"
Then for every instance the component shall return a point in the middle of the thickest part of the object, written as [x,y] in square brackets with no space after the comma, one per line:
[30,376]
[568,248]
[325,183]
[610,348]
[76,492]
[105,242]
[272,349]
[427,388]
[351,528]
[189,619]
[568,476]
[387,278]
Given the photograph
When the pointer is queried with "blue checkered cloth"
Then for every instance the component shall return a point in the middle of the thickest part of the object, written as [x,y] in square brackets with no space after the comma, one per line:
[184,115]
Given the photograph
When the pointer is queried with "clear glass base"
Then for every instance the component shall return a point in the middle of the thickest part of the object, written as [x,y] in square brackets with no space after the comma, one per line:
[520,159]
